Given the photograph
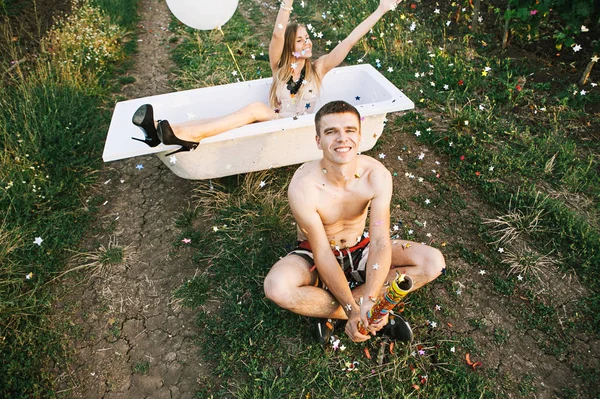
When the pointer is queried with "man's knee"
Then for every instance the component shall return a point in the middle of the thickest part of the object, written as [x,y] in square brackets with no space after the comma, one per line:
[433,263]
[275,290]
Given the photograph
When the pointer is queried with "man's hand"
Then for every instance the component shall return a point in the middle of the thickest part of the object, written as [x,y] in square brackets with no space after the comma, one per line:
[352,328]
[374,327]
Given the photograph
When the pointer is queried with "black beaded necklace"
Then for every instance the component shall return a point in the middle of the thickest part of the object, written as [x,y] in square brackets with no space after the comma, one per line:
[292,86]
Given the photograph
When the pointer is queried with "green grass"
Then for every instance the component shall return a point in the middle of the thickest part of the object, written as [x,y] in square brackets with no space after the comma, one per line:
[141,367]
[504,136]
[517,144]
[52,119]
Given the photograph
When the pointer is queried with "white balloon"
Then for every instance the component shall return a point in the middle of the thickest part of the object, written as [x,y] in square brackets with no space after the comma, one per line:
[203,14]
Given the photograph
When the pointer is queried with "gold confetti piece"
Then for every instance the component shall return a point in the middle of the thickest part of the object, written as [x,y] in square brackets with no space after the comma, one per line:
[357,175]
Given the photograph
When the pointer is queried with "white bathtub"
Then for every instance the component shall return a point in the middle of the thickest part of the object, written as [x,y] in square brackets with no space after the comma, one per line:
[257,146]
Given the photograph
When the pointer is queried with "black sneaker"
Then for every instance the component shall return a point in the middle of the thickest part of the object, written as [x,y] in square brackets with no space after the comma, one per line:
[324,330]
[397,329]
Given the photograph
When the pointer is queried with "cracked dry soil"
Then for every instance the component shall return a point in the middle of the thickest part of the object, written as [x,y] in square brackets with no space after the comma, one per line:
[133,339]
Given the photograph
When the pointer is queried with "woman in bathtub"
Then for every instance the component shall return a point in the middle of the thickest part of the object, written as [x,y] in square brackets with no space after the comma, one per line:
[295,88]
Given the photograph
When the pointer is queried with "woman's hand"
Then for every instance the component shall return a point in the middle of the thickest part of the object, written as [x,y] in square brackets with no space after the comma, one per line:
[389,5]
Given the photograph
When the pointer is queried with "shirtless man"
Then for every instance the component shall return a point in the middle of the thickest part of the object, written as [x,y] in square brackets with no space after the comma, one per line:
[330,199]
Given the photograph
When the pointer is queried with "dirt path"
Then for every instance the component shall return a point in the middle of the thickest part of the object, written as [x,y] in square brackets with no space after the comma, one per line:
[134,341]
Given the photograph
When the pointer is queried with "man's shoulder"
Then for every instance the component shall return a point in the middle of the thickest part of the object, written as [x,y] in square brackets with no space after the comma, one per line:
[302,178]
[373,167]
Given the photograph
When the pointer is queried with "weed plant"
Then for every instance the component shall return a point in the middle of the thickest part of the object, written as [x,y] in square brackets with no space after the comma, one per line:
[52,119]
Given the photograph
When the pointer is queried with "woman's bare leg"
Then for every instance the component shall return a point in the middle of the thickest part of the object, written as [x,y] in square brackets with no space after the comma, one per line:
[203,128]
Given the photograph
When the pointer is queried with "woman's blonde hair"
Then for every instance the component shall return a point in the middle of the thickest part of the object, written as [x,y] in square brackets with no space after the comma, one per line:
[284,69]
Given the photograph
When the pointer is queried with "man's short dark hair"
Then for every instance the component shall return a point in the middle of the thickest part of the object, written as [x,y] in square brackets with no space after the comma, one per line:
[335,107]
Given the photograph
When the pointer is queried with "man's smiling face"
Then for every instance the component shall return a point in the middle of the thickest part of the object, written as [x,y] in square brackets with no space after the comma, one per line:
[339,137]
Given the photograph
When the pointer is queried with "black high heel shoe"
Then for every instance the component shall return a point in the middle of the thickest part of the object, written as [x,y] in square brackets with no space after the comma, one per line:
[143,117]
[166,135]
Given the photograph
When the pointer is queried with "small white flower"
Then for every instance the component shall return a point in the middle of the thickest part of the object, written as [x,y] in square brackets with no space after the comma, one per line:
[501,250]
[576,48]
[410,232]
[519,277]
[584,28]
[418,133]
[453,349]
[433,324]
[381,156]
[491,168]
[436,11]
[427,201]
[422,155]
[583,92]
[215,228]
[262,184]
[482,272]
[390,69]
[446,87]
[38,241]
[234,73]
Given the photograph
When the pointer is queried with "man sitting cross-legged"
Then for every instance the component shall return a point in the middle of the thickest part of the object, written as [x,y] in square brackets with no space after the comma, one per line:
[330,199]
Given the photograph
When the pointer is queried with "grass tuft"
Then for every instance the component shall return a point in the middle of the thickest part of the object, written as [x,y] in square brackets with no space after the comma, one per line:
[523,260]
[517,224]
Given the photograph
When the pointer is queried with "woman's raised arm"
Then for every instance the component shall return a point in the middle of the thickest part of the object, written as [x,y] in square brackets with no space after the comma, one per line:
[329,61]
[276,45]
